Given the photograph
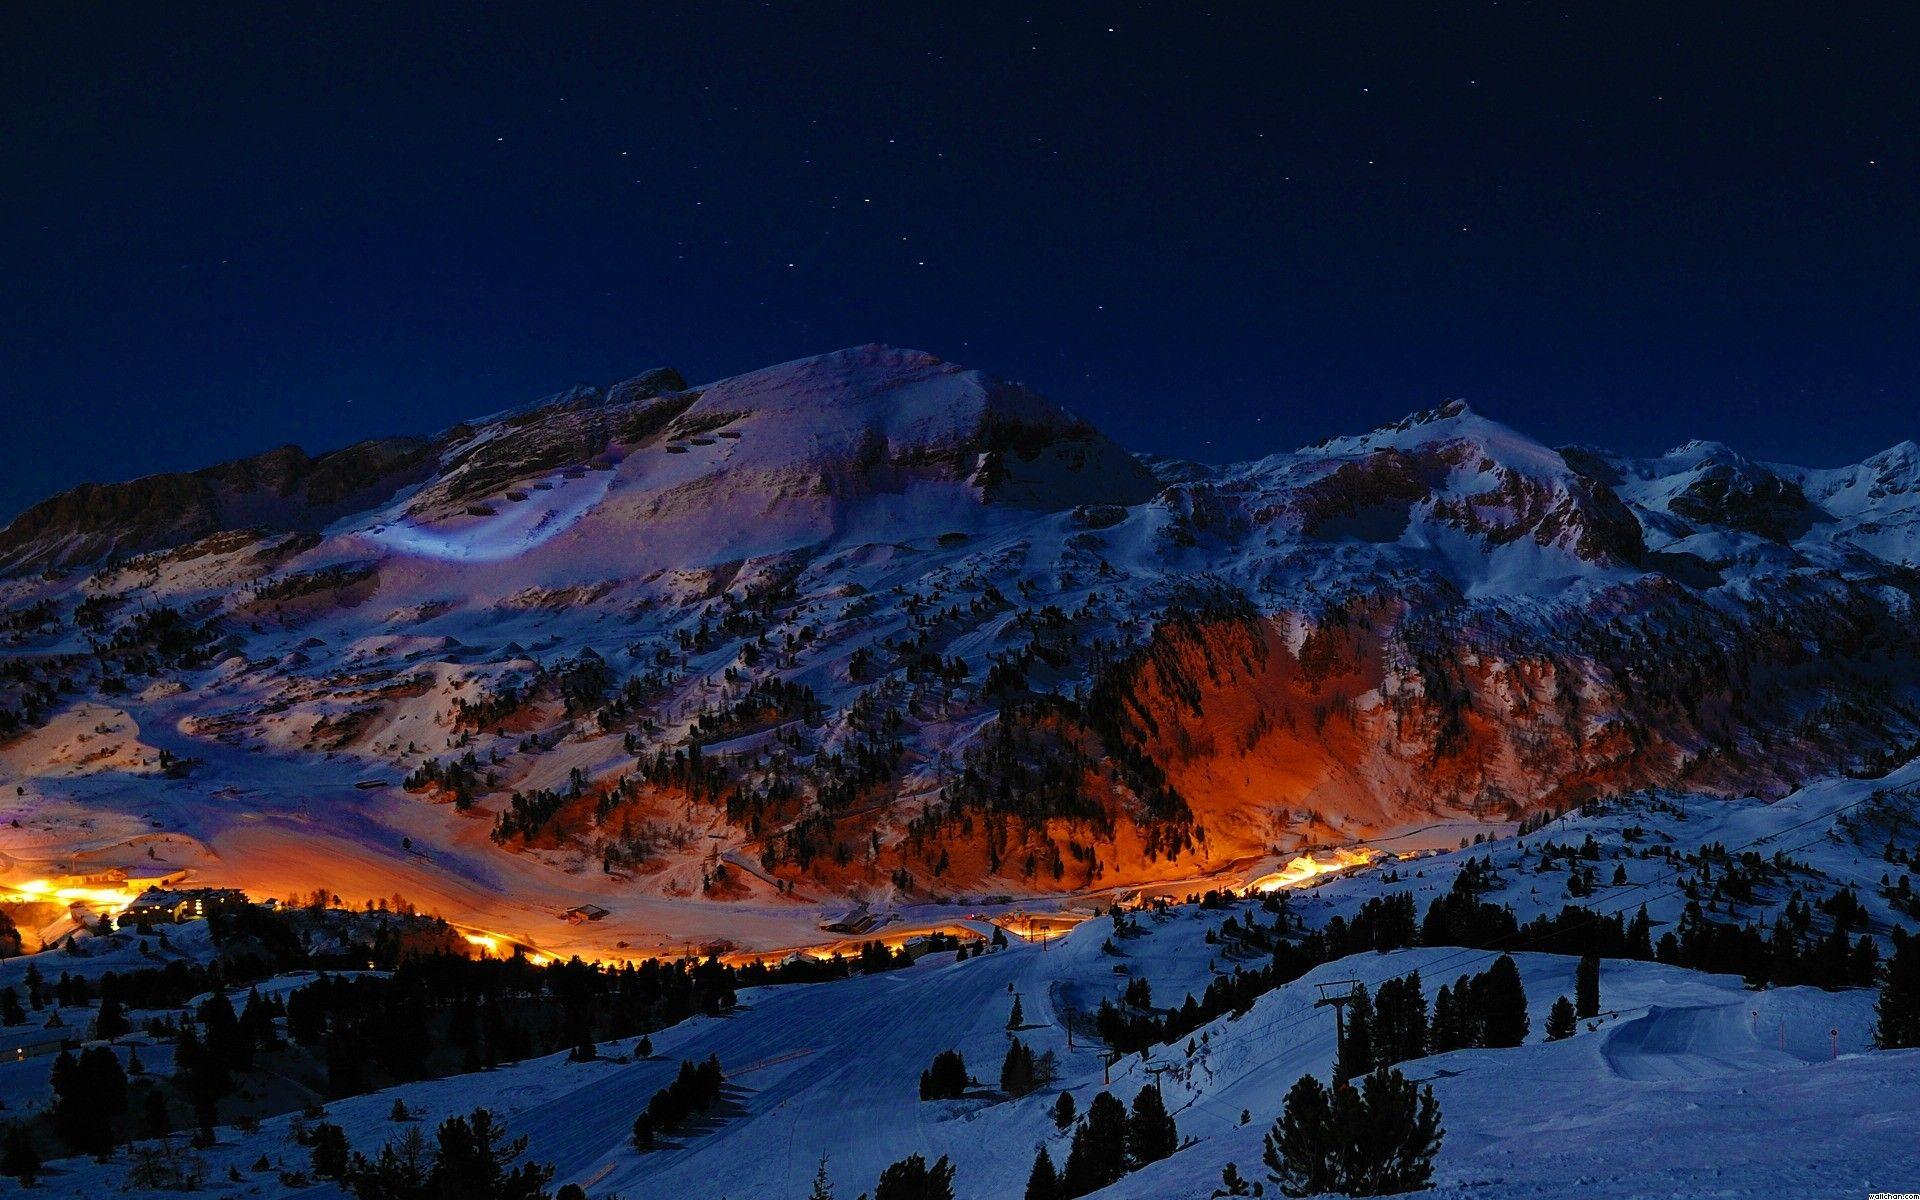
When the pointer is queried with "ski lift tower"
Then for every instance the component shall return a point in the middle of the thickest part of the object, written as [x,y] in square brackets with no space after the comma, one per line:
[1336,995]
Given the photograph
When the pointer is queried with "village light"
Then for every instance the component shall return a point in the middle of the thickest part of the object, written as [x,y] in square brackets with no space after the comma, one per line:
[1308,866]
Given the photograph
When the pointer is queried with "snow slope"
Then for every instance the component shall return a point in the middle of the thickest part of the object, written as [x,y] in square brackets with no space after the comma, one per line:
[1687,1084]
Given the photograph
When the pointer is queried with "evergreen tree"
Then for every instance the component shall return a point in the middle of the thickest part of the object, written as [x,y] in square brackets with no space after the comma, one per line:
[400,1172]
[256,1022]
[223,1039]
[1560,1021]
[330,1153]
[912,1179]
[1151,1134]
[1016,1019]
[17,1155]
[1098,1155]
[822,1185]
[1043,1182]
[1232,1183]
[111,1021]
[1899,1006]
[1017,1076]
[89,1093]
[1502,1003]
[1450,1029]
[1586,986]
[155,1121]
[946,1078]
[1063,1111]
[475,1161]
[1300,1151]
[1400,1021]
[1375,1140]
[1396,1137]
[1640,936]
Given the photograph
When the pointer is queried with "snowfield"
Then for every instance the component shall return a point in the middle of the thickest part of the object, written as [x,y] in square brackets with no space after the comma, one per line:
[1686,1085]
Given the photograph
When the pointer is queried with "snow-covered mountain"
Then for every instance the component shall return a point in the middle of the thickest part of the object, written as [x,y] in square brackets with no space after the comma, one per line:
[873,624]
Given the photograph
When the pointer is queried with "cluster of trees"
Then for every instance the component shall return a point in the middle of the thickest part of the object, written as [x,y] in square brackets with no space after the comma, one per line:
[1488,1009]
[18,1158]
[527,813]
[462,776]
[1378,1139]
[472,1158]
[768,701]
[1792,952]
[582,682]
[1899,1007]
[488,708]
[946,1077]
[631,698]
[1107,1143]
[156,639]
[206,1062]
[89,1095]
[1382,923]
[695,1090]
[1022,1071]
[1394,1025]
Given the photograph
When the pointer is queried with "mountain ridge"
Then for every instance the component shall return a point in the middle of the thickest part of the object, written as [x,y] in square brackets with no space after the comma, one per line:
[874,624]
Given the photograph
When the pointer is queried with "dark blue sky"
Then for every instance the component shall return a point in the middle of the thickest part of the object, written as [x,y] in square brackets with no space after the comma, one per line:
[1213,233]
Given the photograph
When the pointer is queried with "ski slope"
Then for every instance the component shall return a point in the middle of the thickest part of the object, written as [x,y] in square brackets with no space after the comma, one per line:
[1687,1084]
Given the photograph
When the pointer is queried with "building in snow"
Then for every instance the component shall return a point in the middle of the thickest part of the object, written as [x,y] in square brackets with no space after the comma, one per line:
[184,904]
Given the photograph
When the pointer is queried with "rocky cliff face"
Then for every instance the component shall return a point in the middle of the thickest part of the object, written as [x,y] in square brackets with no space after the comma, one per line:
[283,489]
[876,622]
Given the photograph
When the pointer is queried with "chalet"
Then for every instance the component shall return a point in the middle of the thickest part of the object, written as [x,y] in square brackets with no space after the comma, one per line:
[184,904]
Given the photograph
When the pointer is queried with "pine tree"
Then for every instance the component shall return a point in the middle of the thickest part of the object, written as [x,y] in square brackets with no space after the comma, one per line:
[1375,1140]
[1016,1071]
[89,1092]
[912,1179]
[822,1186]
[1300,1152]
[1899,1006]
[475,1160]
[1640,936]
[1063,1111]
[946,1078]
[1560,1021]
[1449,1030]
[17,1155]
[1397,1136]
[1043,1182]
[1016,1019]
[1098,1155]
[1502,1002]
[111,1021]
[1586,986]
[1232,1183]
[330,1153]
[1400,1020]
[400,1172]
[1151,1133]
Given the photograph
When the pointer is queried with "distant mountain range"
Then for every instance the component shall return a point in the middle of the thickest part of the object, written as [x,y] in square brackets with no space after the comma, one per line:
[872,622]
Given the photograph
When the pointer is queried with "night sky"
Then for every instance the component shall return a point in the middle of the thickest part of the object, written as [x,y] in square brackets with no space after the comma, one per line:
[1215,234]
